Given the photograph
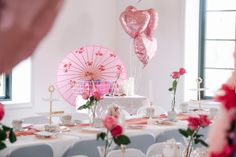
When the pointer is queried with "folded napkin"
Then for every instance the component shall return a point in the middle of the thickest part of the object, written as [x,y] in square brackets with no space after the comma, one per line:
[183,116]
[26,132]
[137,121]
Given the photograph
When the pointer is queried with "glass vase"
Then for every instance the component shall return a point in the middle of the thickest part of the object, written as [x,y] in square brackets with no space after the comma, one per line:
[92,113]
[103,151]
[94,119]
[172,115]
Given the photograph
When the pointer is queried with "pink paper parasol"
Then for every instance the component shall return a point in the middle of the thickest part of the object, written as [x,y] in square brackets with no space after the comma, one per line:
[94,64]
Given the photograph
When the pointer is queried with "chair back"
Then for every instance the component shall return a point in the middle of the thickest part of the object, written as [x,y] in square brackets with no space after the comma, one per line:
[157,149]
[129,152]
[36,150]
[154,149]
[141,142]
[170,134]
[86,147]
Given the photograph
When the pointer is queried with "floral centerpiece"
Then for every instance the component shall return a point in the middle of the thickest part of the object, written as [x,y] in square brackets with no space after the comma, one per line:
[92,97]
[192,132]
[114,134]
[175,76]
[222,136]
[5,131]
[114,110]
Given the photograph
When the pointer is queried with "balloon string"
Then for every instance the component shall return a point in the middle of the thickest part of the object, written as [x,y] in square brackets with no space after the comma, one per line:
[130,58]
[135,67]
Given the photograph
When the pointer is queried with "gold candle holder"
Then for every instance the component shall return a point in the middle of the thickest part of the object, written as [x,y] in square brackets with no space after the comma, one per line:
[51,89]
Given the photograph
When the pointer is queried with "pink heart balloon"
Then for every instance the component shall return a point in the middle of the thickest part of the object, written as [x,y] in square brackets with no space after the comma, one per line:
[152,25]
[134,21]
[145,48]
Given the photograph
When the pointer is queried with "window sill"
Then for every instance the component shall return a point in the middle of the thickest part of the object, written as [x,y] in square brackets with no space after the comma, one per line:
[16,105]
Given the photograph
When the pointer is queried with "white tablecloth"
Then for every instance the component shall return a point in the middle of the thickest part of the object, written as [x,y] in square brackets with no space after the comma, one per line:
[63,140]
[59,144]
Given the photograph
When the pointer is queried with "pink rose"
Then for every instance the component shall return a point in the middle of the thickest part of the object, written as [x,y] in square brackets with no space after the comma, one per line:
[204,121]
[117,131]
[98,95]
[110,122]
[85,95]
[182,71]
[175,75]
[193,123]
[2,112]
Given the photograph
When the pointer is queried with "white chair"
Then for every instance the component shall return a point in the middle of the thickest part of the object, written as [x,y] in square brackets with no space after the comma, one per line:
[35,120]
[129,152]
[87,147]
[170,134]
[36,150]
[79,156]
[157,149]
[141,142]
[154,149]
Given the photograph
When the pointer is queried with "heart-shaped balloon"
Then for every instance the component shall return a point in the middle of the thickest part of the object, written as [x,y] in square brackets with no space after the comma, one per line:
[152,25]
[145,48]
[134,21]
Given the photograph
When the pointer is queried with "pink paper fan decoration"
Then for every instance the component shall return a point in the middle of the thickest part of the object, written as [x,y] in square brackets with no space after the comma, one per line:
[95,64]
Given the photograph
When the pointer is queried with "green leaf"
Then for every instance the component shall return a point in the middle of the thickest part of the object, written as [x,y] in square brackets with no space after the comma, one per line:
[190,132]
[85,106]
[92,98]
[2,145]
[122,140]
[3,135]
[203,142]
[170,89]
[174,84]
[183,132]
[196,141]
[101,135]
[6,128]
[81,107]
[12,136]
[198,135]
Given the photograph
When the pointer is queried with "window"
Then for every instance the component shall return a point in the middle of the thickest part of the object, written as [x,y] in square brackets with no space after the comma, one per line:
[217,43]
[5,87]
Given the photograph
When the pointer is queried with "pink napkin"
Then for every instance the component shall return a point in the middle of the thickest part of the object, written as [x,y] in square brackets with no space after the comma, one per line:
[137,121]
[26,132]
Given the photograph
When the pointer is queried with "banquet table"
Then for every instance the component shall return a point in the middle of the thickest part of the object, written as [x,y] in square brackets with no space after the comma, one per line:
[61,142]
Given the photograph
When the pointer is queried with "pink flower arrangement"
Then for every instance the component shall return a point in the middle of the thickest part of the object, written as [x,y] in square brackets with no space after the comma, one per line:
[92,98]
[2,112]
[227,96]
[194,125]
[117,131]
[114,110]
[114,133]
[222,138]
[175,76]
[110,122]
[6,132]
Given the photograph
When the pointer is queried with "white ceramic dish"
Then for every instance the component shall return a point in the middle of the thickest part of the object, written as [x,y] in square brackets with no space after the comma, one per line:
[45,134]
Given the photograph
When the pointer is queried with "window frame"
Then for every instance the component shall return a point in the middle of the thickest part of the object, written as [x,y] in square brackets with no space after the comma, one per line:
[8,87]
[201,44]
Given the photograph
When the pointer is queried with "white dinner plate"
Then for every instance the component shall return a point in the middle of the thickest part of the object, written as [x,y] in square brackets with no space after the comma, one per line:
[92,129]
[44,134]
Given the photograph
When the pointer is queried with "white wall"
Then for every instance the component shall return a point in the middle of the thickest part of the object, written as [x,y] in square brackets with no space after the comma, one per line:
[83,22]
